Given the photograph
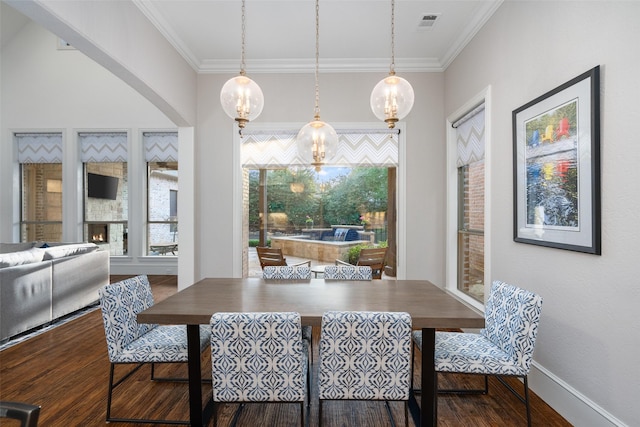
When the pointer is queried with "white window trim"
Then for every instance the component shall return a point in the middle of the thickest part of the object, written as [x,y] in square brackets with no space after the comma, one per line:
[452,200]
[401,184]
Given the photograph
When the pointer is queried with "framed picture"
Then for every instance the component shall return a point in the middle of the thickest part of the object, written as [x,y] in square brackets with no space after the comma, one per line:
[556,167]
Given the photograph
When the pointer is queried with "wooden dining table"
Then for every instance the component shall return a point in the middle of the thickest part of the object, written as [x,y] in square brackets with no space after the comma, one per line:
[430,307]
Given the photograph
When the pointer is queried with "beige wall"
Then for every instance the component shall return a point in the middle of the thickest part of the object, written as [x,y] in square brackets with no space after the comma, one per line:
[588,319]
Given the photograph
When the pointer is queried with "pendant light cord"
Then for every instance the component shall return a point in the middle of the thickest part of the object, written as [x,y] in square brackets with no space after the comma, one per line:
[317,109]
[242,64]
[392,70]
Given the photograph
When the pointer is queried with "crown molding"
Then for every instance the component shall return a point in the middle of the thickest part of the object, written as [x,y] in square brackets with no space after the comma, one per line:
[327,65]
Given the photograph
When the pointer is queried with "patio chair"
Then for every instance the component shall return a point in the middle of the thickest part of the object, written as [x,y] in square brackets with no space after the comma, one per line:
[258,357]
[132,343]
[503,348]
[347,272]
[371,257]
[365,356]
[273,256]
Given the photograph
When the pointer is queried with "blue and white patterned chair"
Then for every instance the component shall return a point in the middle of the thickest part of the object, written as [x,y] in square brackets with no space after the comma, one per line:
[292,272]
[503,348]
[347,272]
[365,356]
[258,357]
[129,342]
[287,272]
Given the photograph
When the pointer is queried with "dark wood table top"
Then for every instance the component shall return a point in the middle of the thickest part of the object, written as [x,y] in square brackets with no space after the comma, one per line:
[428,305]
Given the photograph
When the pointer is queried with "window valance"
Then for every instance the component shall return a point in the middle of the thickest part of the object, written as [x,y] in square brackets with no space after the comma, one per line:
[39,147]
[103,147]
[470,137]
[356,147]
[160,146]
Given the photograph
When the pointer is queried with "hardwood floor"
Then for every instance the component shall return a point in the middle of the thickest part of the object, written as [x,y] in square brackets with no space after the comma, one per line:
[65,370]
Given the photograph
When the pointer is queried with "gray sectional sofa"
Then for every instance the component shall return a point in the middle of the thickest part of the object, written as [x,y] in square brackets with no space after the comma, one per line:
[41,282]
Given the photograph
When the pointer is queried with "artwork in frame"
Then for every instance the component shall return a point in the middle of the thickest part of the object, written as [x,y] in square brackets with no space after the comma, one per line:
[556,167]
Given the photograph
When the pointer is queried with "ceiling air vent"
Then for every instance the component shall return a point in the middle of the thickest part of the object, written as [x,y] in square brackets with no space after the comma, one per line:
[427,21]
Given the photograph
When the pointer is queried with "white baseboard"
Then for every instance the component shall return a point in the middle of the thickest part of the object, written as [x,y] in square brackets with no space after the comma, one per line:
[567,401]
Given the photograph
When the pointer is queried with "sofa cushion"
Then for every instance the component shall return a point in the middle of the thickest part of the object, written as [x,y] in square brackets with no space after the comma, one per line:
[21,257]
[54,252]
[15,247]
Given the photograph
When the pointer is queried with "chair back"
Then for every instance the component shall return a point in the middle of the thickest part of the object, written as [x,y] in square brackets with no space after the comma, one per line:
[365,356]
[270,256]
[284,272]
[257,357]
[511,321]
[120,304]
[347,272]
[374,258]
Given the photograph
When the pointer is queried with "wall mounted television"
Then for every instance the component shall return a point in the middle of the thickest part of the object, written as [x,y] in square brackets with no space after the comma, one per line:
[102,186]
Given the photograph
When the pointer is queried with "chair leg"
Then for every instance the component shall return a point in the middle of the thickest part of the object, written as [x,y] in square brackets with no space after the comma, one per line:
[113,385]
[524,399]
[319,412]
[406,413]
[110,393]
[393,423]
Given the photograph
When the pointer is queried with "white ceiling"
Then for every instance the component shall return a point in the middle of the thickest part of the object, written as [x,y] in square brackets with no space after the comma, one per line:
[355,35]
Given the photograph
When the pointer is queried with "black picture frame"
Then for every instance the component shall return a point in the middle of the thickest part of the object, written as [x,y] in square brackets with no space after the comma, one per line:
[556,167]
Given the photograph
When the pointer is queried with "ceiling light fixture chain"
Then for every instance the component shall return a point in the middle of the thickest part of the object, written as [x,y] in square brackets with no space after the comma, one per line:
[317,70]
[244,28]
[392,68]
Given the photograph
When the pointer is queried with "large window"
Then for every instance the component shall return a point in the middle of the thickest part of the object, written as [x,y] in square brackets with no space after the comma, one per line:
[40,157]
[106,194]
[163,208]
[161,154]
[471,230]
[471,203]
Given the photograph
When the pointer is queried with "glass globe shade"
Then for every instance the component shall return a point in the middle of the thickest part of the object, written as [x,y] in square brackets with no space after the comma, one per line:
[242,99]
[317,141]
[392,99]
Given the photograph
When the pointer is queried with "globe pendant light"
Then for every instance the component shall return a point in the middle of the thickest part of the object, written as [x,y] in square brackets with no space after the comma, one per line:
[240,96]
[317,140]
[392,98]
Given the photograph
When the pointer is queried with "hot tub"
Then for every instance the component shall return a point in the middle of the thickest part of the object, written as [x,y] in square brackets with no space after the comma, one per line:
[322,250]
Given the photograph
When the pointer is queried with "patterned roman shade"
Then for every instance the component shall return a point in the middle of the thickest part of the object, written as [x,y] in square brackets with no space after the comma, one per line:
[39,147]
[470,136]
[160,146]
[363,147]
[103,147]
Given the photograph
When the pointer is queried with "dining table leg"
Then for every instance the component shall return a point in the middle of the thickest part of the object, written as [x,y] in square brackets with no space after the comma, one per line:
[429,397]
[195,380]
[426,414]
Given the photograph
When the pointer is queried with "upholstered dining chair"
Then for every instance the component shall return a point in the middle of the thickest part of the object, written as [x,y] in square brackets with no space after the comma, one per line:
[285,272]
[258,357]
[292,272]
[365,356]
[503,348]
[132,343]
[347,272]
